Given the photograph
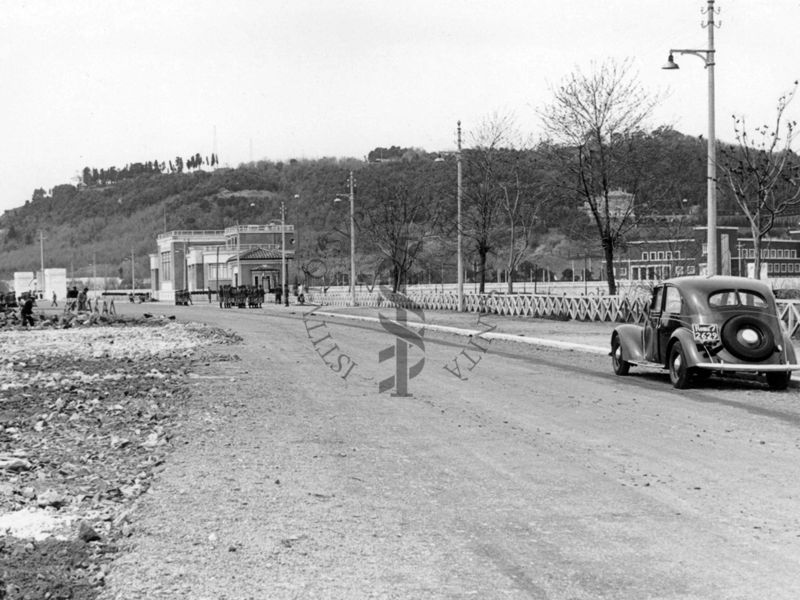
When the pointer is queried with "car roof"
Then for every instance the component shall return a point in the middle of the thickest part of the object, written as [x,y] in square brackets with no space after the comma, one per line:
[709,284]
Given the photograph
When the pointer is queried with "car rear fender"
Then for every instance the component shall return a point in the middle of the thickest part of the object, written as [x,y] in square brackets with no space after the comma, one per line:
[630,341]
[692,355]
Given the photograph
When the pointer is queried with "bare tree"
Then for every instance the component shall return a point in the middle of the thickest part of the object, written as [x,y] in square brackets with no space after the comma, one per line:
[596,121]
[763,173]
[485,174]
[522,203]
[403,212]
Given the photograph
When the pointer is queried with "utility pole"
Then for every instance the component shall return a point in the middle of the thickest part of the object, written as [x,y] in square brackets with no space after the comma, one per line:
[352,241]
[133,269]
[239,254]
[284,274]
[41,252]
[459,261]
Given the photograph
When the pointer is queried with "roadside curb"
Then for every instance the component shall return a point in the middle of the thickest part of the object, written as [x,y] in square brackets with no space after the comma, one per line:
[506,337]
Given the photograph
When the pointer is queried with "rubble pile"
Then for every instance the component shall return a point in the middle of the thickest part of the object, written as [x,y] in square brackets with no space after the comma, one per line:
[87,416]
[10,319]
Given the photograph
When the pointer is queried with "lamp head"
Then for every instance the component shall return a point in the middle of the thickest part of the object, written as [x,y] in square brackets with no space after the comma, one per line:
[670,64]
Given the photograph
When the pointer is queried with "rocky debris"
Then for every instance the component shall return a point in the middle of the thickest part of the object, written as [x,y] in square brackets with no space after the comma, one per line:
[87,418]
[49,498]
[87,533]
[52,568]
[14,463]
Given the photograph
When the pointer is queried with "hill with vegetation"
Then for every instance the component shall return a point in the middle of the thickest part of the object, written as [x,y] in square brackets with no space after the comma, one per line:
[405,205]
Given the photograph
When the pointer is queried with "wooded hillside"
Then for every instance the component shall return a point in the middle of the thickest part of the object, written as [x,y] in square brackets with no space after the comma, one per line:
[405,205]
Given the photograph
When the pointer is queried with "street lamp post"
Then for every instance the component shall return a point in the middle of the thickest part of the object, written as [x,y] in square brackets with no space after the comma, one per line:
[284,272]
[352,195]
[708,57]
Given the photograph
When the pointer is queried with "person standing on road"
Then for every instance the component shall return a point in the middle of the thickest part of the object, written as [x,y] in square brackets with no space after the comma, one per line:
[82,295]
[72,299]
[54,302]
[26,312]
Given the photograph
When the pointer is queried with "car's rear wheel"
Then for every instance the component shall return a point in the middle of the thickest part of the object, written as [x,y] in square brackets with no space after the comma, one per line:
[679,373]
[621,366]
[778,380]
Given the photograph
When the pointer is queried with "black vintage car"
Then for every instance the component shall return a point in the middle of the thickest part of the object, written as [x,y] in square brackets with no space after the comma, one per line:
[696,326]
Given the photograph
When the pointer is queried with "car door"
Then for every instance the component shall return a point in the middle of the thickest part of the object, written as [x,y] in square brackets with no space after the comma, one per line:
[670,318]
[652,325]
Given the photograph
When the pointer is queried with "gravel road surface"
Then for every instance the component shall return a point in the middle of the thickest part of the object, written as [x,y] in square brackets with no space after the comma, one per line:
[536,474]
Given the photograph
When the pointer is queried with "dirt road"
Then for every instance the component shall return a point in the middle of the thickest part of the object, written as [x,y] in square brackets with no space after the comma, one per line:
[537,474]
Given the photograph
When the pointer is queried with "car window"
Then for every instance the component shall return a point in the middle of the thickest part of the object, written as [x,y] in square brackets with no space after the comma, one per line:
[673,302]
[655,304]
[727,298]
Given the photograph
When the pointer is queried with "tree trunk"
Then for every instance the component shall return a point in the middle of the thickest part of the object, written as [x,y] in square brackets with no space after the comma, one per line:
[608,252]
[510,281]
[756,253]
[482,267]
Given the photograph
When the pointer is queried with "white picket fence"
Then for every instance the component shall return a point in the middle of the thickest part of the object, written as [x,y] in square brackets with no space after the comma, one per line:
[620,309]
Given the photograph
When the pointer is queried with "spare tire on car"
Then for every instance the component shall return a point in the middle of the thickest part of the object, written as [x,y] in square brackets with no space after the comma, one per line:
[748,338]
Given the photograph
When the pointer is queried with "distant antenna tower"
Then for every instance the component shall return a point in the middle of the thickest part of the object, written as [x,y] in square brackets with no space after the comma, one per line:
[214,147]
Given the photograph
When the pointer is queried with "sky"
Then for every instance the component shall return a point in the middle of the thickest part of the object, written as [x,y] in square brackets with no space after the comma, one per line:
[104,83]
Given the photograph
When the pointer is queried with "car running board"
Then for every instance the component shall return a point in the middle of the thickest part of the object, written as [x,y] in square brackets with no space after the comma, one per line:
[746,367]
[647,363]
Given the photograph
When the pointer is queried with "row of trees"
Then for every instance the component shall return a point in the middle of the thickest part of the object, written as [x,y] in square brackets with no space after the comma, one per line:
[596,146]
[93,176]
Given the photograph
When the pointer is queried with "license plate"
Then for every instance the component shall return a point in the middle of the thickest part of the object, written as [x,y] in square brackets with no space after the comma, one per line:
[705,333]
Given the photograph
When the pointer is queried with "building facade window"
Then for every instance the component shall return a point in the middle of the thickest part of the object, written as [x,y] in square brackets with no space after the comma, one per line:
[166,266]
[216,271]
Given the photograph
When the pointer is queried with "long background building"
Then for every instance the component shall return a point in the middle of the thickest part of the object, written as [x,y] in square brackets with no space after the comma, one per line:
[200,260]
